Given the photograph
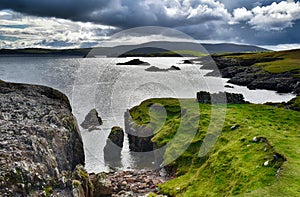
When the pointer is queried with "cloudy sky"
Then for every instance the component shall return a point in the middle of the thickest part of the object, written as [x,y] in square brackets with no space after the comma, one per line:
[86,23]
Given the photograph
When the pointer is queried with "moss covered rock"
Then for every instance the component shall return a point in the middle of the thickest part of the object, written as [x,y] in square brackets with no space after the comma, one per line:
[113,147]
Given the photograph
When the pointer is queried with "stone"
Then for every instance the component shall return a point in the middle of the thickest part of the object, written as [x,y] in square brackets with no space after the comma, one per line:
[113,147]
[102,185]
[266,163]
[187,62]
[174,68]
[34,153]
[234,127]
[92,121]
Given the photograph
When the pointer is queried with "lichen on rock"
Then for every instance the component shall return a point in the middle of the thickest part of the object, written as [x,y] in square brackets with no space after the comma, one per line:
[40,141]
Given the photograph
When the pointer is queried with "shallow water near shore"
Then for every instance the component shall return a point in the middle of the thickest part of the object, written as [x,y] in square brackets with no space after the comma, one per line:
[112,89]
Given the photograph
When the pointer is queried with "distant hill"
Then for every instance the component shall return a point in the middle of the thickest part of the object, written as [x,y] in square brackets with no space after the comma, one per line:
[146,49]
[183,48]
[44,52]
[232,48]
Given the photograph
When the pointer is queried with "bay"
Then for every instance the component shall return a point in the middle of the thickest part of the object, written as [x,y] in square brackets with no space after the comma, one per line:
[112,89]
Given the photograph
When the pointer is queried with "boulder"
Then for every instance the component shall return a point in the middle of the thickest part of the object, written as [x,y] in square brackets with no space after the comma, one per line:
[102,185]
[174,68]
[90,185]
[92,121]
[117,136]
[187,62]
[40,141]
[113,147]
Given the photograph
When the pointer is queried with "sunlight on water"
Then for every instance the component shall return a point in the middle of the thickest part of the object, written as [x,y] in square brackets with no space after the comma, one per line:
[112,89]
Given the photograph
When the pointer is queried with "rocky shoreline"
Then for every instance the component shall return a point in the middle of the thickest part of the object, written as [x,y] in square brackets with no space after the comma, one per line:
[242,72]
[136,182]
[41,150]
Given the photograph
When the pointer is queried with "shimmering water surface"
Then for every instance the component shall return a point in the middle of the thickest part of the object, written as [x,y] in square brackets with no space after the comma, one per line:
[111,89]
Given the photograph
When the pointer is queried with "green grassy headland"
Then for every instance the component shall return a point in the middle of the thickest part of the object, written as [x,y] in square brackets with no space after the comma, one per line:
[236,165]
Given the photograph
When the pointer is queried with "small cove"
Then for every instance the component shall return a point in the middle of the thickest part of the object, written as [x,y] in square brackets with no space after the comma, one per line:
[112,89]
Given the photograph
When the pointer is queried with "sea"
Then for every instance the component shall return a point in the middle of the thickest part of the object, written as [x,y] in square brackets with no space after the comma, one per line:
[112,89]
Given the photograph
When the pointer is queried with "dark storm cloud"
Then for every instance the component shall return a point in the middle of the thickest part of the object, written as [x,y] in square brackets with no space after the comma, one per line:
[201,19]
[123,13]
[69,9]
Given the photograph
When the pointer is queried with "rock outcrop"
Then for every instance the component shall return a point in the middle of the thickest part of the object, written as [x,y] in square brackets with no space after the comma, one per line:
[140,144]
[92,121]
[40,141]
[188,62]
[156,69]
[90,185]
[134,62]
[219,98]
[242,72]
[139,136]
[113,147]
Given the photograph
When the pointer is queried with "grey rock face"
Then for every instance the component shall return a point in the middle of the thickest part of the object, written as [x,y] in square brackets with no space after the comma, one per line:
[221,97]
[92,121]
[137,142]
[40,142]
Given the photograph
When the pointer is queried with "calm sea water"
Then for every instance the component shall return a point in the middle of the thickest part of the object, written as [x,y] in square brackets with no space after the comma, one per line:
[111,89]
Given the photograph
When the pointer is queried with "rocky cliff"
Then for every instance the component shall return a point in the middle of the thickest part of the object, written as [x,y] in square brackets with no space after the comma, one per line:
[40,141]
[244,72]
[139,136]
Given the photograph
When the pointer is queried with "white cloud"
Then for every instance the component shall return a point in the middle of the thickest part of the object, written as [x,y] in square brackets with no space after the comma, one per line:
[281,47]
[22,31]
[274,17]
[242,14]
[202,19]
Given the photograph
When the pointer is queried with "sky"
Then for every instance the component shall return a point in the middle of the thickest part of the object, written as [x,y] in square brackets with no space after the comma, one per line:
[87,23]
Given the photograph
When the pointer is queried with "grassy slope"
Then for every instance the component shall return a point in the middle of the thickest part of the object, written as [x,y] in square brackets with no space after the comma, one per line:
[235,165]
[287,60]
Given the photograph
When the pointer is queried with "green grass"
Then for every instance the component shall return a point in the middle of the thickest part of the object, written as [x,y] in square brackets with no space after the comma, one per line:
[283,60]
[293,104]
[235,165]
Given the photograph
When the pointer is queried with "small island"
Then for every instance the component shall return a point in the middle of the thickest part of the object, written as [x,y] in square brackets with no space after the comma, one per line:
[156,69]
[134,62]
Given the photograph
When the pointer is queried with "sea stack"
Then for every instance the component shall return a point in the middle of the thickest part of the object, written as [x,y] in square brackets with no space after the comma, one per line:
[113,147]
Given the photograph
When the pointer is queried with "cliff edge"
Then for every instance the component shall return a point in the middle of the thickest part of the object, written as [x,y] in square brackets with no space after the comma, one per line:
[40,142]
